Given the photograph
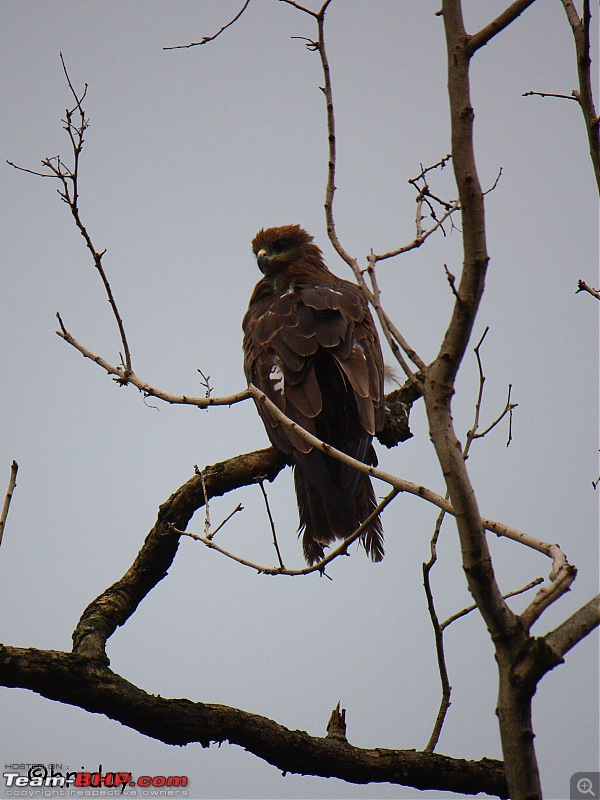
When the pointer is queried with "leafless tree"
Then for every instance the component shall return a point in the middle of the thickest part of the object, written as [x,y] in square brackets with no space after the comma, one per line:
[83,677]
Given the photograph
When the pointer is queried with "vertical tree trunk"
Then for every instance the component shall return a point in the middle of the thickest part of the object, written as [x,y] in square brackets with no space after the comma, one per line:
[506,629]
[516,734]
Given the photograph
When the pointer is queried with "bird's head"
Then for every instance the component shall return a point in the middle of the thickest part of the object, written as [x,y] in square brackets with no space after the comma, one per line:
[277,248]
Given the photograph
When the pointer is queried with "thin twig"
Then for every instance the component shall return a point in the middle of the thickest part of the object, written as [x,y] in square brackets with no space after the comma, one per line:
[8,497]
[341,549]
[206,39]
[420,238]
[206,383]
[207,532]
[424,195]
[452,282]
[508,409]
[271,522]
[469,609]
[224,522]
[395,340]
[530,93]
[439,639]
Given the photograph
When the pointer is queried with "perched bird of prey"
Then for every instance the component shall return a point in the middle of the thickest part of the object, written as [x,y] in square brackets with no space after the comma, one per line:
[311,346]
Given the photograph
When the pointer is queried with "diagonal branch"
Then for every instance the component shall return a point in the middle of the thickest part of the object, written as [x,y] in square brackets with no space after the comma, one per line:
[553,551]
[146,389]
[206,39]
[546,652]
[427,567]
[498,24]
[575,628]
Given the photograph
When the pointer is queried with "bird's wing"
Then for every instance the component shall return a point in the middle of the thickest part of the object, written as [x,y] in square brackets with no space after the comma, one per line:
[313,350]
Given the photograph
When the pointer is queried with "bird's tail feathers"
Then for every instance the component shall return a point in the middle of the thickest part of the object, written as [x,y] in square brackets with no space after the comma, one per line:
[321,523]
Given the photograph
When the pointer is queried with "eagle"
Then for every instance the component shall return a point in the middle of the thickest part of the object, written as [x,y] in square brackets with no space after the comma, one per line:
[311,346]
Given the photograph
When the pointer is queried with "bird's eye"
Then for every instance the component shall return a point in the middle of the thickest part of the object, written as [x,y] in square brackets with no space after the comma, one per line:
[278,247]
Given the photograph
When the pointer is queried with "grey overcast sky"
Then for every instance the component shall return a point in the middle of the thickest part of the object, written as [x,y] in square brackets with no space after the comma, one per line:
[188,154]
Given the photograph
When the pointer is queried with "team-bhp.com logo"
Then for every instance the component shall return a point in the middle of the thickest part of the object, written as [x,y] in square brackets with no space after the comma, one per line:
[46,780]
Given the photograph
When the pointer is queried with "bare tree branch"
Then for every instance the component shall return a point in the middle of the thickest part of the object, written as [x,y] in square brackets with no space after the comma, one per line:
[470,609]
[575,628]
[271,522]
[424,195]
[12,482]
[146,389]
[549,94]
[585,94]
[547,595]
[224,521]
[582,286]
[73,679]
[340,550]
[438,634]
[390,331]
[500,529]
[544,653]
[427,567]
[498,24]
[505,628]
[69,179]
[206,39]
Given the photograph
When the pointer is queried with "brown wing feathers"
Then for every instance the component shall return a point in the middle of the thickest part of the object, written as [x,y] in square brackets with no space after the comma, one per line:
[311,346]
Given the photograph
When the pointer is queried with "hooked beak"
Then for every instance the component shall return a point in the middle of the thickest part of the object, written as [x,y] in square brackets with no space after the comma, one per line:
[262,260]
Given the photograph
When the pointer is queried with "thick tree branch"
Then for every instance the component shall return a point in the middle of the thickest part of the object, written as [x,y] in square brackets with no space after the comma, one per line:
[575,628]
[440,376]
[506,628]
[585,94]
[68,678]
[427,567]
[542,654]
[498,24]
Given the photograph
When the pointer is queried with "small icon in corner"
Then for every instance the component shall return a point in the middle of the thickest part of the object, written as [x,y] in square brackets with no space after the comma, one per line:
[585,785]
